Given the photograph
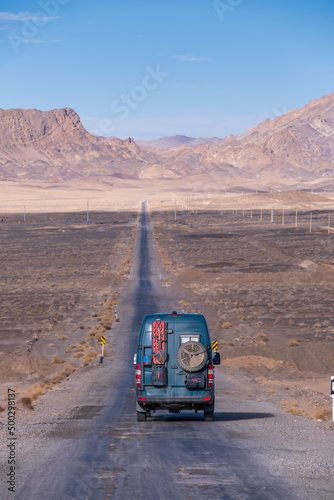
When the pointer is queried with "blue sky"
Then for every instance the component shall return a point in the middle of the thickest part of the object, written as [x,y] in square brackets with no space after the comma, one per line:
[146,69]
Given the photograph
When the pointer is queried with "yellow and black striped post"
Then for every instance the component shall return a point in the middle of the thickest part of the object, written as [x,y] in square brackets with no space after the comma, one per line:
[102,341]
[214,345]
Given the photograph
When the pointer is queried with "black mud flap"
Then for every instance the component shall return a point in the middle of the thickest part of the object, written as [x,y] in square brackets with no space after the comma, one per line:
[159,375]
[195,381]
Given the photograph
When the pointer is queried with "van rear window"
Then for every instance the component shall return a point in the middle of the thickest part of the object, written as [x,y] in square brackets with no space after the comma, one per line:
[189,338]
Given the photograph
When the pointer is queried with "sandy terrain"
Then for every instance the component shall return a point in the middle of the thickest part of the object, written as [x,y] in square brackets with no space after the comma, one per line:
[123,194]
[61,279]
[267,292]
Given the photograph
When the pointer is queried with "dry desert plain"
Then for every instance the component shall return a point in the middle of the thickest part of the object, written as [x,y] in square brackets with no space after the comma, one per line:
[60,283]
[266,288]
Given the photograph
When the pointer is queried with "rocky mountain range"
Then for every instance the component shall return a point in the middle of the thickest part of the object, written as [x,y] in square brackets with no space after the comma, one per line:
[292,149]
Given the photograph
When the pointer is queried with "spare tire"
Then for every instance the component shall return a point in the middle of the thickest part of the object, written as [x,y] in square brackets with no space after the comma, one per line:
[192,356]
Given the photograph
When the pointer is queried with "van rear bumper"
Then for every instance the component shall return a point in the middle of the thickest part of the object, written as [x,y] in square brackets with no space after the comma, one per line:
[181,399]
[176,404]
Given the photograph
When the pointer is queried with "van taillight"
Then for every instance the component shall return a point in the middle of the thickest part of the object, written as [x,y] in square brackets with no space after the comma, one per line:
[210,375]
[138,375]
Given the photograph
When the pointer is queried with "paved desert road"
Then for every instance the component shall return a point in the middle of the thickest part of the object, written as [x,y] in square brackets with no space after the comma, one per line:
[102,452]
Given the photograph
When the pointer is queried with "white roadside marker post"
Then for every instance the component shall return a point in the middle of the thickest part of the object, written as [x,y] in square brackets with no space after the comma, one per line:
[332,394]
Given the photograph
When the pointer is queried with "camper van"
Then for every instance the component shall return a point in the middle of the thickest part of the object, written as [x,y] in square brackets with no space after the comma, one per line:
[175,365]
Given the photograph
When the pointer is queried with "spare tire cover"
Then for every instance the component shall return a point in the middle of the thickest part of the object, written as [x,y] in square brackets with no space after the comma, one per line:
[192,356]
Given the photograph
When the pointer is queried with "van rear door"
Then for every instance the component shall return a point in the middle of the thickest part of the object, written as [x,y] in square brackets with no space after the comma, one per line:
[185,330]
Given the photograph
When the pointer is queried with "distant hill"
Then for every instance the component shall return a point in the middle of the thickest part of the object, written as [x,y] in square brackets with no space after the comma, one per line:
[297,146]
[54,145]
[175,141]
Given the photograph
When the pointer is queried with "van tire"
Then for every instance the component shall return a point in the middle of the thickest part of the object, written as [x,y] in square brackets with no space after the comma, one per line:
[141,416]
[209,416]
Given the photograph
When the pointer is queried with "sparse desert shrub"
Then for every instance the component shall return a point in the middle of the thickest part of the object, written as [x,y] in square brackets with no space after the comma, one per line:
[272,391]
[296,411]
[226,325]
[2,408]
[26,402]
[293,343]
[78,355]
[292,408]
[64,374]
[230,344]
[322,414]
[37,390]
[68,370]
[80,348]
[89,357]
[33,393]
[68,350]
[58,360]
